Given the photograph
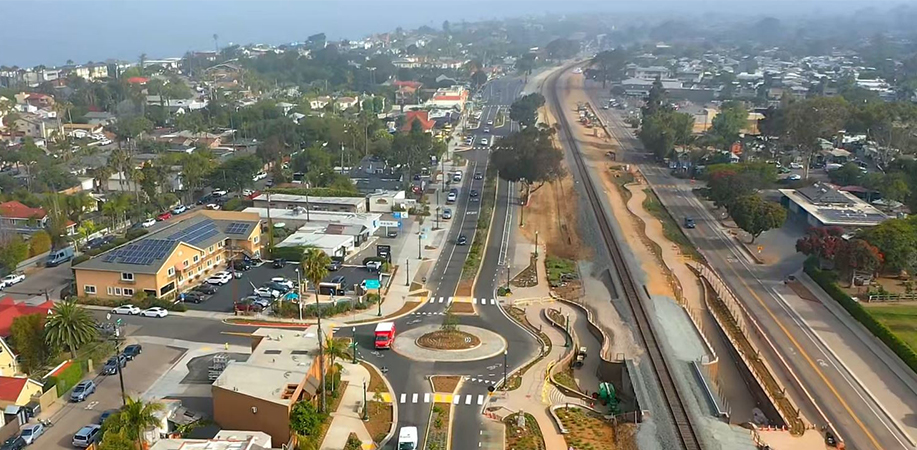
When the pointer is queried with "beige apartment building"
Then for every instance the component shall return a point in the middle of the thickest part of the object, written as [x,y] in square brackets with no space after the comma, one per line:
[170,260]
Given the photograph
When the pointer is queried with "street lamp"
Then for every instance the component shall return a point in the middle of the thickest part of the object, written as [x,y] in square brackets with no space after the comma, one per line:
[353,341]
[299,291]
[536,243]
[365,407]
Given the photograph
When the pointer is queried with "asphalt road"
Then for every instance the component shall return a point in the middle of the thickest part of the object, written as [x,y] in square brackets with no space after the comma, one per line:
[847,406]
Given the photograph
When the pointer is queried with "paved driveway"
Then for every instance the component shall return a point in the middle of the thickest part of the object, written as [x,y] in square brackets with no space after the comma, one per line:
[138,376]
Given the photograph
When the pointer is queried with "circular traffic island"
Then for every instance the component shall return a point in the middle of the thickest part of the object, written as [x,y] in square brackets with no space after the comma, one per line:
[448,340]
[463,343]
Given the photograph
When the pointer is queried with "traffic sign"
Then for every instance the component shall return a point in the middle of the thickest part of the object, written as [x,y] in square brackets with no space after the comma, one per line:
[371,283]
[389,223]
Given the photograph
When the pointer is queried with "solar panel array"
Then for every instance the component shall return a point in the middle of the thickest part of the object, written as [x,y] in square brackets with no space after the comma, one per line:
[197,233]
[141,253]
[238,228]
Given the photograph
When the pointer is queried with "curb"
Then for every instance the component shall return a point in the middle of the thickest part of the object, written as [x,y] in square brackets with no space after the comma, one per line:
[391,432]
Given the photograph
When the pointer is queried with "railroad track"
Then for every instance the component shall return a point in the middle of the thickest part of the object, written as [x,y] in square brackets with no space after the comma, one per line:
[677,410]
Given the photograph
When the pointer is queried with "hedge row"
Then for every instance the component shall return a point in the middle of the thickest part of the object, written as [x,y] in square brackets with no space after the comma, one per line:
[291,254]
[66,379]
[828,282]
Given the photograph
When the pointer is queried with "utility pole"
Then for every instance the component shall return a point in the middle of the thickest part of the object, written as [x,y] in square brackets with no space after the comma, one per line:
[505,381]
[419,244]
[321,347]
[117,339]
[270,230]
[407,271]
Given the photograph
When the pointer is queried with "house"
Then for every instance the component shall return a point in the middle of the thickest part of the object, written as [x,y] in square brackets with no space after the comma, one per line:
[224,440]
[422,117]
[449,98]
[406,91]
[177,105]
[9,310]
[821,205]
[285,107]
[383,201]
[258,394]
[345,103]
[359,226]
[119,182]
[319,102]
[18,390]
[25,219]
[9,364]
[647,73]
[312,203]
[35,99]
[99,118]
[38,127]
[170,259]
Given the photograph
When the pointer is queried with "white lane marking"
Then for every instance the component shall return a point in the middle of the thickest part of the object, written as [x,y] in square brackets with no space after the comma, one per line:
[480,399]
[426,397]
[403,398]
[414,398]
[467,399]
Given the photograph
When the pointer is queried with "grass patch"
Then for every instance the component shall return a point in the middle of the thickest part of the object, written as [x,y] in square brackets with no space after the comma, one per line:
[621,178]
[522,438]
[380,420]
[565,377]
[376,383]
[559,269]
[899,318]
[670,227]
[587,430]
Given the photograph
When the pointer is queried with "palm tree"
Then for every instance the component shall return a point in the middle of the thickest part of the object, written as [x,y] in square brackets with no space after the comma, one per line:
[335,349]
[135,417]
[314,268]
[69,325]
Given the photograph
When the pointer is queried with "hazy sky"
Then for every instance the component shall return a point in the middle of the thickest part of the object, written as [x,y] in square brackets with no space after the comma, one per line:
[52,31]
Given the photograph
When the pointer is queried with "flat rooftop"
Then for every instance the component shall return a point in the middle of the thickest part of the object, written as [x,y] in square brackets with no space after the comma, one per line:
[224,440]
[318,217]
[282,358]
[289,198]
[835,208]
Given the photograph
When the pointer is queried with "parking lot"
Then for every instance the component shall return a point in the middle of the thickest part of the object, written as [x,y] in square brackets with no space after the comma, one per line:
[226,295]
[139,375]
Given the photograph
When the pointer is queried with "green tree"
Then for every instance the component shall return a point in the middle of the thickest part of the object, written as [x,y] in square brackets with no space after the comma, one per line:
[69,326]
[814,118]
[727,125]
[306,420]
[13,250]
[315,268]
[40,243]
[134,418]
[236,173]
[525,109]
[610,63]
[847,175]
[896,239]
[116,439]
[756,216]
[528,157]
[27,335]
[894,186]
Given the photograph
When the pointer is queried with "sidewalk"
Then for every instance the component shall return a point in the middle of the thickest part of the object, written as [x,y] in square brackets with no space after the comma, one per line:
[348,418]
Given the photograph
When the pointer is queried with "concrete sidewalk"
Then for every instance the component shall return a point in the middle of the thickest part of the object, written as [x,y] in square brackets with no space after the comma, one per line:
[349,416]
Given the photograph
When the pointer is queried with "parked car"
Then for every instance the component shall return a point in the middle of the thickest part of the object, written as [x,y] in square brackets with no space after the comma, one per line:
[148,222]
[451,197]
[164,216]
[106,414]
[154,312]
[247,305]
[795,165]
[462,240]
[205,289]
[86,436]
[14,443]
[241,265]
[31,432]
[111,366]
[126,309]
[794,177]
[259,176]
[179,209]
[218,192]
[193,297]
[267,292]
[334,266]
[213,206]
[82,391]
[281,281]
[282,288]
[98,242]
[279,263]
[447,213]
[374,266]
[132,351]
[220,278]
[12,279]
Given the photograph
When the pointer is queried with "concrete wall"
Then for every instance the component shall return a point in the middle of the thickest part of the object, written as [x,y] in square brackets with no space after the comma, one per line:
[236,411]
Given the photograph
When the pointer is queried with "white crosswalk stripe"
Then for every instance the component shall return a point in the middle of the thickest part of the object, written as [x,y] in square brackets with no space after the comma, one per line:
[414,398]
[467,399]
[456,399]
[474,301]
[426,397]
[403,398]
[440,300]
[449,301]
[480,399]
[431,300]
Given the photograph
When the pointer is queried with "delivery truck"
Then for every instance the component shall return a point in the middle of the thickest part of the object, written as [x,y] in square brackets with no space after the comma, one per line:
[407,438]
[385,335]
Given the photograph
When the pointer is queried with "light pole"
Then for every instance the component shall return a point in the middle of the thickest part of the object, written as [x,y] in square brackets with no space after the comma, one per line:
[536,243]
[419,244]
[365,408]
[117,339]
[299,291]
[505,381]
[407,272]
[354,343]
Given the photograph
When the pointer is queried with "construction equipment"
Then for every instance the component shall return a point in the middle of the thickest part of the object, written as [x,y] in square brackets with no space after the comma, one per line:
[608,398]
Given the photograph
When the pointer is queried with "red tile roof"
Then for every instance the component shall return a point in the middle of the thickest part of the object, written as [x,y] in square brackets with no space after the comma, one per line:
[10,309]
[421,116]
[137,80]
[17,210]
[11,387]
[410,84]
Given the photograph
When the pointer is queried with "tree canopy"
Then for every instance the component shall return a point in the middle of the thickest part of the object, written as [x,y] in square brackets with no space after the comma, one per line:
[525,109]
[529,157]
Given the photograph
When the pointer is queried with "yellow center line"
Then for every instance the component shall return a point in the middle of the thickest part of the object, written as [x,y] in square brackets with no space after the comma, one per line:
[807,358]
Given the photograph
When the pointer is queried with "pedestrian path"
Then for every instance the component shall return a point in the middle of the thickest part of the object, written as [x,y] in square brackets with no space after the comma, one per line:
[348,417]
[430,397]
[472,300]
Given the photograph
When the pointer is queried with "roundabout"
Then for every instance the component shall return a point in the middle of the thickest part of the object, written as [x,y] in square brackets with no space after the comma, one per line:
[465,343]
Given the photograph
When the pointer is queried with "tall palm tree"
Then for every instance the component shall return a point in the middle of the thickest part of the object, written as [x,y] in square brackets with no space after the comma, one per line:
[334,349]
[135,417]
[70,326]
[314,268]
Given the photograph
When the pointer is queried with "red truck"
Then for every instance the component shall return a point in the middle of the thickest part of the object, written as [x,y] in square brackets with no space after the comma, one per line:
[385,335]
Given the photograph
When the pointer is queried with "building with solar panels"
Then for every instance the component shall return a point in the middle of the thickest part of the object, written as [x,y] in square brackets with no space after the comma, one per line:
[821,205]
[171,259]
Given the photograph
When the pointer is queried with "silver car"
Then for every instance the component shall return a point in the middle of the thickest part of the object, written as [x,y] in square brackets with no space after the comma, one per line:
[31,432]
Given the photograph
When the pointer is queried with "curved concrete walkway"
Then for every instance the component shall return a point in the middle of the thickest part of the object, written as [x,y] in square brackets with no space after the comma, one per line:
[492,344]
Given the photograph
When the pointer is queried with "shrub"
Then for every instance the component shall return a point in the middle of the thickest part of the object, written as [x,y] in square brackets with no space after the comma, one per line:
[66,379]
[40,243]
[79,259]
[288,253]
[135,233]
[306,419]
[827,281]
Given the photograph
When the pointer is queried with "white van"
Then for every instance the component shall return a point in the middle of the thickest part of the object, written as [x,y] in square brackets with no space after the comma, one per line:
[457,176]
[407,438]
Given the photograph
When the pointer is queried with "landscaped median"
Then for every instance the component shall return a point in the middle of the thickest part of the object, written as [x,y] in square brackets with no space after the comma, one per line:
[379,406]
[525,437]
[476,251]
[589,430]
[895,338]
